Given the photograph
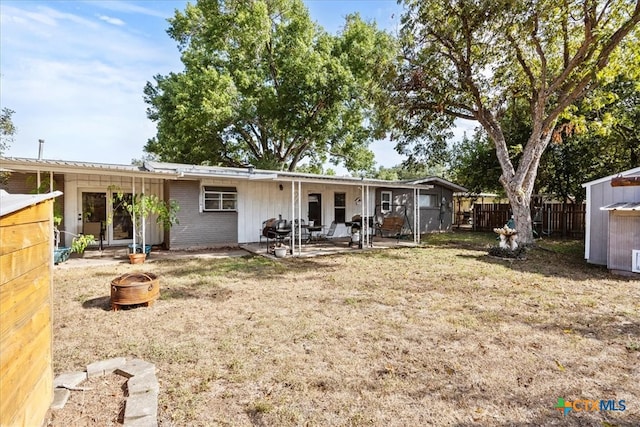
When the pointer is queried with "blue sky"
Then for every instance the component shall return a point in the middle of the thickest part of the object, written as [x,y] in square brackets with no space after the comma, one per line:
[74,71]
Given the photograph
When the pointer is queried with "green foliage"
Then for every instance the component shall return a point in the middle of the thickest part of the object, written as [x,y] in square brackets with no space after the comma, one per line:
[597,138]
[80,243]
[141,206]
[407,171]
[263,84]
[7,129]
[45,186]
[472,60]
[474,164]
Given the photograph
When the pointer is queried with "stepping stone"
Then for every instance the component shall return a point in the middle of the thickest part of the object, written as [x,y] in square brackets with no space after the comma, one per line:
[148,421]
[70,379]
[141,405]
[103,367]
[144,383]
[136,367]
[60,397]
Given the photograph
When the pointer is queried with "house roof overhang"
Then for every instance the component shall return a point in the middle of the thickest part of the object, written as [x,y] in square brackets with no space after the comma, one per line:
[250,173]
[18,164]
[163,170]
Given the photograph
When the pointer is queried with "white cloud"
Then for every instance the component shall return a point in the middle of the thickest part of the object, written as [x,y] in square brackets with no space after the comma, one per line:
[110,20]
[129,7]
[77,82]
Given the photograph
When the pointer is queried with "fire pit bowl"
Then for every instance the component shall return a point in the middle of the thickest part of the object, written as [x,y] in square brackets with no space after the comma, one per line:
[134,288]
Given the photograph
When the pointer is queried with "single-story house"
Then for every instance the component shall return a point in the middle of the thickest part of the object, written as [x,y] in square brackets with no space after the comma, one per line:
[612,235]
[226,206]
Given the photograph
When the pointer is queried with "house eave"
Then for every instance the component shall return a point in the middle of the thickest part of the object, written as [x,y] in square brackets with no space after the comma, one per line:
[18,164]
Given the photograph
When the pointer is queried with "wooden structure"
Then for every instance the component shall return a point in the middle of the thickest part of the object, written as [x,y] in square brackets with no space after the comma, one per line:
[26,259]
[549,219]
[625,181]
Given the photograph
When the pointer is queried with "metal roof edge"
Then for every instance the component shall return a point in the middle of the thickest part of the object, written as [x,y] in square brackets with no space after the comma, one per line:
[25,164]
[167,170]
[622,206]
[10,203]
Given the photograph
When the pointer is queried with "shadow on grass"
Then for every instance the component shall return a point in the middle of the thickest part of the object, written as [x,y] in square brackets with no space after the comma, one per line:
[249,267]
[103,303]
[552,264]
[196,291]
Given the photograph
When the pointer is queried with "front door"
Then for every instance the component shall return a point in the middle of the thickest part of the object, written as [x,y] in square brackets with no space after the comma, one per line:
[315,208]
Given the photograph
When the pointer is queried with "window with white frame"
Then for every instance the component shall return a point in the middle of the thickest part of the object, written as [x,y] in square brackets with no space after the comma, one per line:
[429,201]
[340,207]
[217,199]
[386,198]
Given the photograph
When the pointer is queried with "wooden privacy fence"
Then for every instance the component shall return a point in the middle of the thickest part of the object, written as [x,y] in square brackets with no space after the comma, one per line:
[550,219]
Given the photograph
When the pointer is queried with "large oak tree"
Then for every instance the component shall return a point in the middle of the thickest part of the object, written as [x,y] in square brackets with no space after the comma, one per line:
[263,84]
[468,58]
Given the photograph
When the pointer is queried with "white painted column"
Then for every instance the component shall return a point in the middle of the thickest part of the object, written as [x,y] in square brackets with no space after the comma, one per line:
[416,216]
[293,217]
[144,224]
[300,218]
[133,213]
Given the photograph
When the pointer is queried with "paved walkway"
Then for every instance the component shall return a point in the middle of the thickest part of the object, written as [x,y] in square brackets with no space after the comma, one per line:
[119,255]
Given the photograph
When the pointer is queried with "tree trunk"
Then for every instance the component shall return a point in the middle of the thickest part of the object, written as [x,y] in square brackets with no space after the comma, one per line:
[518,183]
[521,207]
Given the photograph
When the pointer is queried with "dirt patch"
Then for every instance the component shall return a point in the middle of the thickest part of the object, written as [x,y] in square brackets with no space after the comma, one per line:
[101,404]
[442,335]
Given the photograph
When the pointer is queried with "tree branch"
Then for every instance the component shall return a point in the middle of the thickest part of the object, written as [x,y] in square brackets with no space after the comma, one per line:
[580,87]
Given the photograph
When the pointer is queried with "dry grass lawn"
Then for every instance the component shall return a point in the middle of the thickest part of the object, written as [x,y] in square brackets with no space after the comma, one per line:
[438,335]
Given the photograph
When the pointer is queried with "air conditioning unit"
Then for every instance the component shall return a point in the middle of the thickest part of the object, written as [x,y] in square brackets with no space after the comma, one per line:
[635,260]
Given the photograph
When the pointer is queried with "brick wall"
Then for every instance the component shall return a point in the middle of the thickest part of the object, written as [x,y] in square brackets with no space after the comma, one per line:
[199,229]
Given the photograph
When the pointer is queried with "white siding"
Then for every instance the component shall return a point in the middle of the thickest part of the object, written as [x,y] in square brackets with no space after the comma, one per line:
[74,184]
[261,200]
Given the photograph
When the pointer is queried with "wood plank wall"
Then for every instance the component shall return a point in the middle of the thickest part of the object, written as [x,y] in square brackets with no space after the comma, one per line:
[26,370]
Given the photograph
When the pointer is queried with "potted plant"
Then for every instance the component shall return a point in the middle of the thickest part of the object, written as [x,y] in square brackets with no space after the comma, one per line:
[140,207]
[80,243]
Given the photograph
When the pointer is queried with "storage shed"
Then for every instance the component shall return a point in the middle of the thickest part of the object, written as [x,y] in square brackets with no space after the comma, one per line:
[612,235]
[26,259]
